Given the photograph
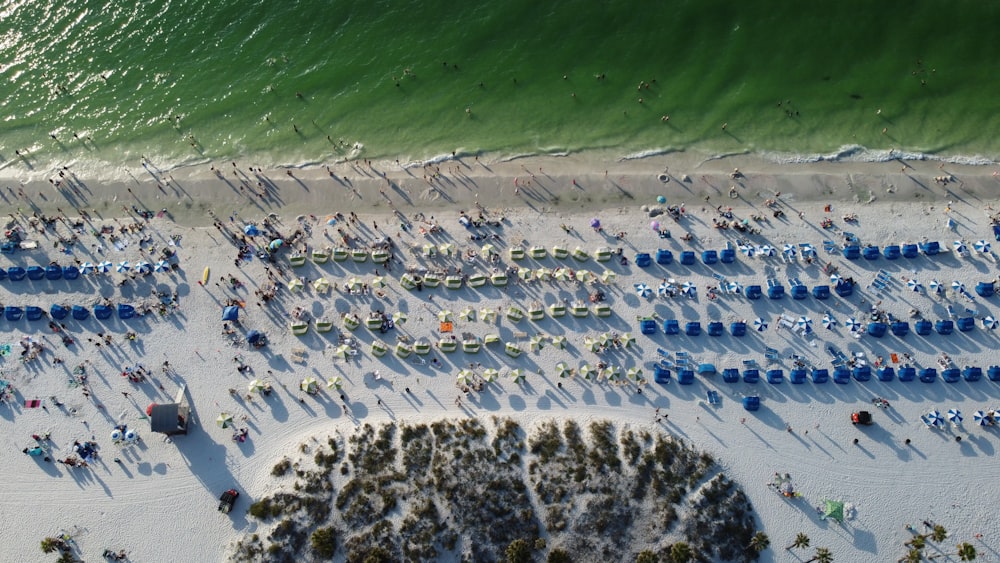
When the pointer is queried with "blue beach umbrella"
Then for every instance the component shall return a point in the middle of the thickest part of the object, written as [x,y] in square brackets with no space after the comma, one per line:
[954,416]
[958,286]
[960,246]
[933,418]
[162,266]
[989,322]
[852,324]
[766,250]
[86,268]
[981,246]
[789,250]
[981,418]
[643,290]
[760,324]
[104,267]
[123,266]
[828,321]
[808,250]
[660,199]
[914,284]
[934,286]
[748,249]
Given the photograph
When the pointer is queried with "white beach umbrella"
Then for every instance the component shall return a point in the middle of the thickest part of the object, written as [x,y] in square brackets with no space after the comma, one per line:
[981,418]
[766,250]
[960,246]
[123,266]
[559,342]
[444,315]
[491,374]
[829,321]
[760,324]
[989,322]
[835,279]
[143,267]
[104,267]
[517,375]
[335,382]
[958,286]
[562,369]
[913,284]
[688,288]
[982,246]
[86,268]
[642,290]
[748,249]
[607,276]
[933,418]
[805,323]
[467,314]
[487,250]
[161,266]
[954,416]
[934,286]
[399,317]
[807,250]
[852,324]
[465,376]
[789,250]
[735,287]
[295,284]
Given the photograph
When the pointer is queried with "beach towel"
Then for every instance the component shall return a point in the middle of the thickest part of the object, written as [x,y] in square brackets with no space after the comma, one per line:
[446,327]
[32,403]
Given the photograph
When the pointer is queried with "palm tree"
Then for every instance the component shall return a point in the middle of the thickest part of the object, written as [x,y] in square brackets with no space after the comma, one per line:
[681,552]
[966,552]
[918,542]
[938,533]
[912,556]
[823,555]
[760,542]
[801,540]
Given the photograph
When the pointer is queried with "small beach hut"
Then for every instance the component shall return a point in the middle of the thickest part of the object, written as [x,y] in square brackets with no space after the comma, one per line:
[776,291]
[33,313]
[738,328]
[53,272]
[852,252]
[877,329]
[906,373]
[709,257]
[885,373]
[727,256]
[797,376]
[692,328]
[80,312]
[537,252]
[951,375]
[909,251]
[870,252]
[731,375]
[775,376]
[972,373]
[798,291]
[664,257]
[844,289]
[965,324]
[715,328]
[985,289]
[944,326]
[900,328]
[58,312]
[841,375]
[643,260]
[687,258]
[685,376]
[751,403]
[861,373]
[751,375]
[993,373]
[930,248]
[70,272]
[928,375]
[821,292]
[820,375]
[923,327]
[891,252]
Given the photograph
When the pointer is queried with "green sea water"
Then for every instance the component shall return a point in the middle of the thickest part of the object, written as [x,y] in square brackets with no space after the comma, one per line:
[269,81]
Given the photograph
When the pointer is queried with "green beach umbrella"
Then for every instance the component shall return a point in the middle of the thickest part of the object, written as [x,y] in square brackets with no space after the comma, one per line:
[225,420]
[517,375]
[562,369]
[491,374]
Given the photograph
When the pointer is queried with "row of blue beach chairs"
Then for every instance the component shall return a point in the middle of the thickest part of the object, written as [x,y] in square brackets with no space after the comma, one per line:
[76,312]
[662,372]
[897,328]
[54,272]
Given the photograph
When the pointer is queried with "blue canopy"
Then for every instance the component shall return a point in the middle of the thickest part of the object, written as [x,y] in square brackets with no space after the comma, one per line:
[70,272]
[53,272]
[709,257]
[844,289]
[900,328]
[35,273]
[125,311]
[16,273]
[692,328]
[909,251]
[923,327]
[738,328]
[231,313]
[798,376]
[251,230]
[862,373]
[752,292]
[930,248]
[12,313]
[727,256]
[715,328]
[885,373]
[33,313]
[58,312]
[643,260]
[671,326]
[841,375]
[877,329]
[985,289]
[255,338]
[646,326]
[687,257]
[951,375]
[799,292]
[993,373]
[852,252]
[751,376]
[972,373]
[664,257]
[685,376]
[661,374]
[80,312]
[706,369]
[102,312]
[751,403]
[907,373]
[731,375]
[870,253]
[965,324]
[820,375]
[821,292]
[891,252]
[775,376]
[944,326]
[928,375]
[776,291]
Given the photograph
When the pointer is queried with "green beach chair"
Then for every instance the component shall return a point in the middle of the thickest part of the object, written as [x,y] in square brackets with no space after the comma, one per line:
[297,260]
[536,312]
[341,254]
[537,252]
[453,282]
[324,325]
[512,350]
[407,281]
[447,345]
[602,310]
[403,350]
[299,328]
[499,279]
[579,310]
[373,323]
[516,253]
[431,280]
[580,255]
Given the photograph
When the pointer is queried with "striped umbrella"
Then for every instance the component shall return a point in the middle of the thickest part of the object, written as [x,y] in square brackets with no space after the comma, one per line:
[760,324]
[517,375]
[807,249]
[491,374]
[143,267]
[86,268]
[805,323]
[766,250]
[559,342]
[224,420]
[958,286]
[104,267]
[642,290]
[562,369]
[735,287]
[465,376]
[960,246]
[954,416]
[981,418]
[913,284]
[334,382]
[789,250]
[829,321]
[852,324]
[836,279]
[981,246]
[748,249]
[444,315]
[989,322]
[123,266]
[934,286]
[162,266]
[688,288]
[933,418]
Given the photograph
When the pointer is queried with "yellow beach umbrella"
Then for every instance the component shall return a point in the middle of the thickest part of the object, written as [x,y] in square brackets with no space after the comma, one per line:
[308,385]
[487,315]
[487,250]
[491,374]
[590,344]
[444,315]
[517,375]
[446,248]
[378,281]
[627,339]
[586,371]
[560,274]
[399,318]
[543,274]
[428,249]
[321,285]
[635,374]
[465,376]
[584,276]
[559,342]
[224,420]
[524,273]
[341,351]
[467,314]
[255,386]
[536,342]
[613,373]
[607,276]
[335,381]
[562,369]
[295,284]
[353,284]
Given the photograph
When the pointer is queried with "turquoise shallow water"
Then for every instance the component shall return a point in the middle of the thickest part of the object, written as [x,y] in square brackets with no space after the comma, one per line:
[514,77]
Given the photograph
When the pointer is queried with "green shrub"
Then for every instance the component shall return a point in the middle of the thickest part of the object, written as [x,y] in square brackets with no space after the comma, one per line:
[324,542]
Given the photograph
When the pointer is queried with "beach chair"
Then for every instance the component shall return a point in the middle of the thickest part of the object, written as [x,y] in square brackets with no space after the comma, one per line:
[820,375]
[687,258]
[720,278]
[516,253]
[715,328]
[751,376]
[797,376]
[664,257]
[771,355]
[643,260]
[671,326]
[972,373]
[685,377]
[727,256]
[713,397]
[829,247]
[751,403]
[841,375]
[928,375]
[661,374]
[951,375]
[731,375]
[775,376]
[709,257]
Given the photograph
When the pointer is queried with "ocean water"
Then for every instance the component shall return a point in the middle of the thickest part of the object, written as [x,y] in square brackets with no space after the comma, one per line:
[311,81]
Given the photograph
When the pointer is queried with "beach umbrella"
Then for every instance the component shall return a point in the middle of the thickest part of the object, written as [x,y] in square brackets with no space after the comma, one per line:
[331,220]
[275,244]
[467,314]
[428,249]
[836,279]
[981,418]
[852,324]
[517,375]
[543,274]
[933,418]
[559,274]
[446,248]
[989,322]
[487,315]
[161,266]
[914,284]
[399,318]
[104,267]
[491,374]
[352,284]
[321,285]
[960,246]
[341,351]
[123,266]
[642,290]
[828,321]
[613,373]
[789,250]
[537,342]
[585,371]
[143,267]
[464,376]
[805,323]
[748,249]
[689,289]
[595,223]
[735,287]
[607,276]
[958,286]
[130,436]
[562,369]
[378,281]
[635,374]
[559,342]
[661,200]
[255,386]
[308,385]
[86,268]
[116,435]
[626,339]
[807,250]
[766,250]
[295,284]
[487,250]
[760,324]
[662,289]
[934,286]
[224,420]
[954,416]
[524,273]
[655,225]
[444,315]
[981,246]
[591,344]
[584,276]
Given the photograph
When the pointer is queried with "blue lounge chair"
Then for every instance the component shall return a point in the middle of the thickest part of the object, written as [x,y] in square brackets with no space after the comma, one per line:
[751,403]
[972,373]
[126,311]
[909,251]
[928,375]
[907,373]
[35,273]
[671,326]
[799,292]
[852,252]
[715,328]
[12,313]
[775,376]
[776,292]
[820,375]
[643,260]
[993,373]
[709,257]
[930,248]
[870,253]
[965,324]
[692,328]
[841,375]
[80,312]
[877,329]
[58,312]
[685,376]
[647,326]
[687,258]
[923,327]
[33,313]
[661,374]
[70,272]
[727,256]
[821,292]
[706,369]
[797,376]
[53,272]
[752,292]
[844,289]
[664,257]
[738,328]
[944,326]
[891,252]
[985,289]
[900,328]
[861,373]
[713,397]
[951,375]
[885,373]
[751,375]
[731,375]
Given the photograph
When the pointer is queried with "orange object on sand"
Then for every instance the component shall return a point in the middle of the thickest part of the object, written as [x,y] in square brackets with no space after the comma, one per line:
[446,327]
[895,358]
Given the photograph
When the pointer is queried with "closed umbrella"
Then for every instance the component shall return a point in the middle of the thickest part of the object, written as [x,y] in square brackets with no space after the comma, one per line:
[760,324]
[960,246]
[399,317]
[655,225]
[161,266]
[643,290]
[86,268]
[444,315]
[104,267]
[934,286]
[224,420]
[321,285]
[123,266]
[828,321]
[491,374]
[989,322]
[982,246]
[295,284]
[562,369]
[517,375]
[981,418]
[954,416]
[852,324]
[689,289]
[914,284]
[958,286]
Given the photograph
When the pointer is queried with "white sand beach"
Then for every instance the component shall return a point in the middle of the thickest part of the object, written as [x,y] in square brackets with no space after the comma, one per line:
[158,503]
